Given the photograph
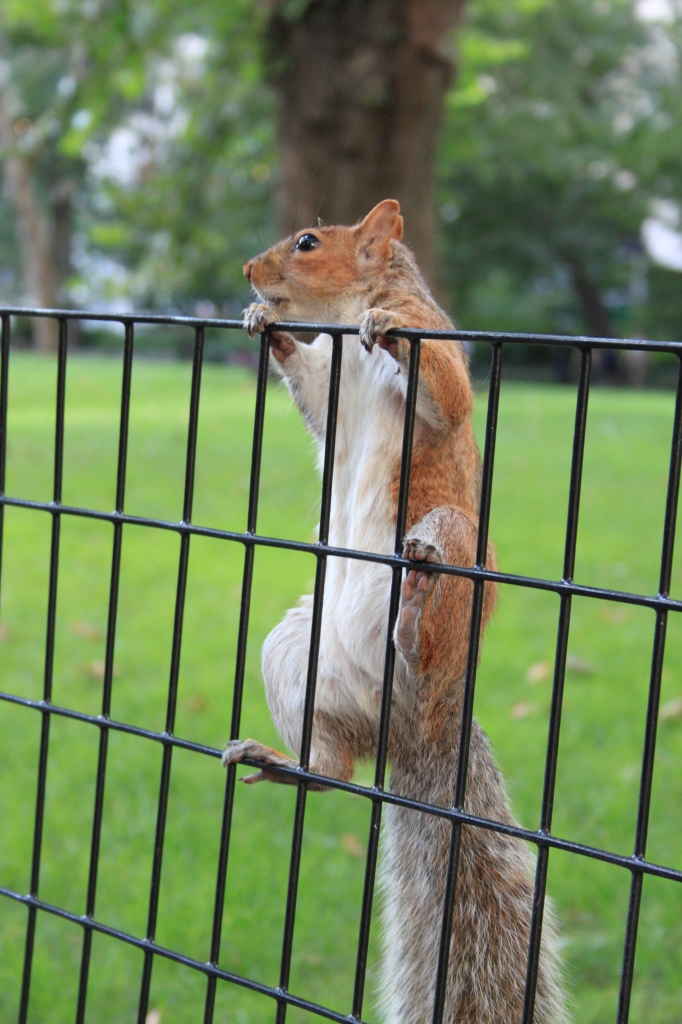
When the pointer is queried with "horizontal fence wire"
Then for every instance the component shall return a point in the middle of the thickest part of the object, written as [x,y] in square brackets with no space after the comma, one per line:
[661,603]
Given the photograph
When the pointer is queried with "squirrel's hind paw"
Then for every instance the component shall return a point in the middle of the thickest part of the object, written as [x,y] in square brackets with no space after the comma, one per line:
[257,317]
[375,324]
[417,586]
[237,750]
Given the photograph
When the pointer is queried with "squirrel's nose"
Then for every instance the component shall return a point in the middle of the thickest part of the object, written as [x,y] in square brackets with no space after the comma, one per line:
[248,267]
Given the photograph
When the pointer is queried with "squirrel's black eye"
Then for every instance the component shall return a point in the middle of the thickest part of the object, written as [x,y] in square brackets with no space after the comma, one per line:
[307,242]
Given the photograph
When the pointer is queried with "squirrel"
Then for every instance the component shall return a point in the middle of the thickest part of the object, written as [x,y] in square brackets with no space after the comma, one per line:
[365,275]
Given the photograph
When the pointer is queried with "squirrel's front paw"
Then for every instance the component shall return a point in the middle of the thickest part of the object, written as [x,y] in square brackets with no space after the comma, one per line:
[374,326]
[257,317]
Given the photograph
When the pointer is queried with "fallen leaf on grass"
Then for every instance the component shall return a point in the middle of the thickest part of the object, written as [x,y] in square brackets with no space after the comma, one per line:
[524,709]
[96,669]
[574,663]
[352,845]
[539,672]
[197,702]
[673,709]
[88,629]
[616,616]
[311,959]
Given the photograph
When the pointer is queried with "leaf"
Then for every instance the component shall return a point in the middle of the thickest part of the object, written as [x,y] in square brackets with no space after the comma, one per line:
[538,672]
[581,666]
[87,629]
[197,702]
[523,709]
[352,845]
[672,709]
[97,668]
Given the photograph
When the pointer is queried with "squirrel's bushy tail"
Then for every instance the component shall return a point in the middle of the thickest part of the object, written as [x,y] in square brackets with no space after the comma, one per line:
[494,896]
[491,920]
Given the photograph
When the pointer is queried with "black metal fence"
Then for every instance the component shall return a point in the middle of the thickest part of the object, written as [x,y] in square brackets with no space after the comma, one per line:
[661,603]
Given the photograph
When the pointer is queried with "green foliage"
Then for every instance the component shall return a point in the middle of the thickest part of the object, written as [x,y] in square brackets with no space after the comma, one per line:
[663,313]
[154,118]
[562,127]
[194,205]
[63,72]
[626,462]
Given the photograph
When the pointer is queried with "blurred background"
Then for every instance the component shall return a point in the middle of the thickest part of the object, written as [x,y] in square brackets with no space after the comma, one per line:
[149,148]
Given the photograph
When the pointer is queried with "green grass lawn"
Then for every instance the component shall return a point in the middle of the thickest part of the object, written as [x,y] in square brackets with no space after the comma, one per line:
[626,464]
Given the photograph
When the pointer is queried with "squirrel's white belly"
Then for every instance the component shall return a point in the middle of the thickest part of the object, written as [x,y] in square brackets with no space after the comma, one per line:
[357,593]
[356,601]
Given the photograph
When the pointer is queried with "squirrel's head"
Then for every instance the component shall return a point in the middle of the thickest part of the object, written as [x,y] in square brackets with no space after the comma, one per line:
[325,274]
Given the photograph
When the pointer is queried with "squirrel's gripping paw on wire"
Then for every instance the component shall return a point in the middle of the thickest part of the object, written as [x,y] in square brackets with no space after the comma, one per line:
[257,318]
[373,330]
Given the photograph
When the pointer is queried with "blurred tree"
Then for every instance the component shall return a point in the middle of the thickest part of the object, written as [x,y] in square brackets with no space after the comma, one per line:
[193,188]
[181,182]
[359,90]
[558,136]
[27,133]
[62,72]
[360,87]
[142,144]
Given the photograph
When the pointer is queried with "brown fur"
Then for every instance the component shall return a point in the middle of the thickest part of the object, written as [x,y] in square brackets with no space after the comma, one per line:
[367,273]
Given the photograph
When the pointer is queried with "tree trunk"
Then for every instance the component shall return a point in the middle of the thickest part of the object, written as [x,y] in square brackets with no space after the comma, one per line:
[61,195]
[597,321]
[594,310]
[37,258]
[62,221]
[360,87]
[36,255]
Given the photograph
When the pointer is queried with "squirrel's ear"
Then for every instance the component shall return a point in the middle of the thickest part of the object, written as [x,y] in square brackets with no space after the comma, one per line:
[383,223]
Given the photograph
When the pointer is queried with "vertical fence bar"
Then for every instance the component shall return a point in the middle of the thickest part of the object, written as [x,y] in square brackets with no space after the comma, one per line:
[387,689]
[309,707]
[469,683]
[552,755]
[240,665]
[49,664]
[4,377]
[649,752]
[108,670]
[174,676]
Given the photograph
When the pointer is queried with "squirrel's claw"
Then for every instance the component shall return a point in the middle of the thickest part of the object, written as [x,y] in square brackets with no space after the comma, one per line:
[375,325]
[257,317]
[418,551]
